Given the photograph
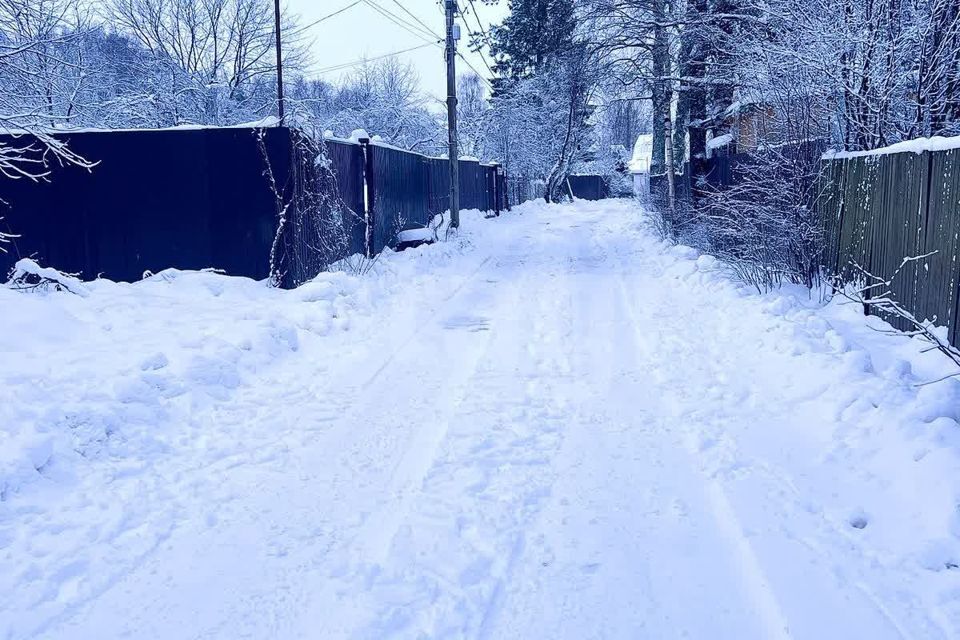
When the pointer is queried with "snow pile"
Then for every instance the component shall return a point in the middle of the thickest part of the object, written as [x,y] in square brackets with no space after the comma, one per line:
[111,397]
[90,376]
[424,234]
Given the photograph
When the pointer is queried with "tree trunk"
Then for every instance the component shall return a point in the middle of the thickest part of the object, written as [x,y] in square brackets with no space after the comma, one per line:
[660,88]
[668,152]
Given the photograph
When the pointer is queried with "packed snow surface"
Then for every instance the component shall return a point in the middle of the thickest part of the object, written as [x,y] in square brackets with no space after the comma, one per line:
[553,425]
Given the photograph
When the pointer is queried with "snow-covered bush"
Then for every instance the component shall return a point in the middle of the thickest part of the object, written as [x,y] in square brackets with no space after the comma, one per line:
[27,275]
[763,226]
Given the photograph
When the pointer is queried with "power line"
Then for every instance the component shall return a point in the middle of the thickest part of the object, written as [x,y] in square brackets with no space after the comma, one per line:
[419,21]
[474,69]
[483,32]
[355,63]
[326,17]
[476,15]
[426,36]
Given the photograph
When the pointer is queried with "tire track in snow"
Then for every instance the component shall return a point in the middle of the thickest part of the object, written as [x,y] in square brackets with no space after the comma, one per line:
[324,445]
[413,334]
[754,578]
[623,474]
[455,545]
[772,557]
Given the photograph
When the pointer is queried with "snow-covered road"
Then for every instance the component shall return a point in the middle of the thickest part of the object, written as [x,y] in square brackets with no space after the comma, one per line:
[555,427]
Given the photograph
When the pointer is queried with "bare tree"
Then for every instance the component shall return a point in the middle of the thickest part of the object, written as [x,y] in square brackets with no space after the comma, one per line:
[39,68]
[224,46]
[382,98]
[472,108]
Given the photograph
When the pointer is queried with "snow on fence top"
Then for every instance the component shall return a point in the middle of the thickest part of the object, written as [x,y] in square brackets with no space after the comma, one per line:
[268,122]
[378,141]
[918,145]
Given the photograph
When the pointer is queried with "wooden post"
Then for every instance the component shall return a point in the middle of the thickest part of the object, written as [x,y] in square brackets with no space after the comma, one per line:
[452,147]
[368,197]
[496,191]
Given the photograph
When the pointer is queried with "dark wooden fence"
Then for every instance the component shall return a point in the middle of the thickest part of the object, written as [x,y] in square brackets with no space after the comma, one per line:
[409,189]
[589,187]
[201,198]
[194,199]
[879,209]
[156,199]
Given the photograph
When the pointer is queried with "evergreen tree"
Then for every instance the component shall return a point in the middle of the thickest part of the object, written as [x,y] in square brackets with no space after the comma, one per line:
[534,35]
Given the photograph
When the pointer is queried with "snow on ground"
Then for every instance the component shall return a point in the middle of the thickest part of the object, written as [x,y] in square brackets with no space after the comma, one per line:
[553,426]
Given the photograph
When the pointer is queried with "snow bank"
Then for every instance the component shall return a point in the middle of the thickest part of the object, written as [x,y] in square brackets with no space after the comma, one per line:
[853,443]
[918,145]
[112,394]
[86,375]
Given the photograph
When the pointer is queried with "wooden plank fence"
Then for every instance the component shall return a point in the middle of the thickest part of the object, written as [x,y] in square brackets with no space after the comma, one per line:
[198,198]
[877,210]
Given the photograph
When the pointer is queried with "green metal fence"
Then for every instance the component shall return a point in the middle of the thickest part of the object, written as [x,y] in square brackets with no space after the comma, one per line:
[879,209]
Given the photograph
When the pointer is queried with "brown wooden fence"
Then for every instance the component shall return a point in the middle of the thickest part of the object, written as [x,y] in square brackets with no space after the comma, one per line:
[879,209]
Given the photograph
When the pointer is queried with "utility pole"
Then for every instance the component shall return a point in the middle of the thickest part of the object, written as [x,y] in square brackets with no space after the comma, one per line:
[453,33]
[276,29]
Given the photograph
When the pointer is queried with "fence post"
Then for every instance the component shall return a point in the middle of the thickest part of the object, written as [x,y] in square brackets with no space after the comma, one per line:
[429,172]
[368,195]
[496,191]
[505,183]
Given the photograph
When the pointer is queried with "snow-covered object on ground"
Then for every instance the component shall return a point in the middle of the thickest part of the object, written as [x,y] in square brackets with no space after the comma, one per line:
[720,141]
[28,274]
[416,236]
[918,145]
[552,426]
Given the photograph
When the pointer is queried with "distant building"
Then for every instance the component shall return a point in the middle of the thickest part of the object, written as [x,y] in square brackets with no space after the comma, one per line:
[640,164]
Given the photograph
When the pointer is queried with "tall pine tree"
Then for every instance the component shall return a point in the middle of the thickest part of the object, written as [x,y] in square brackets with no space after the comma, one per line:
[532,37]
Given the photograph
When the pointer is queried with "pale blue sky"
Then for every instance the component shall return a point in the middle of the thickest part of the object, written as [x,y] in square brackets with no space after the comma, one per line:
[362,31]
